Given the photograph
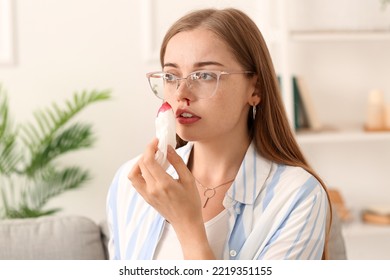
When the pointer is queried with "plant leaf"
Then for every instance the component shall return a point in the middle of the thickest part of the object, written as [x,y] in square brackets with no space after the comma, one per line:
[75,137]
[50,183]
[30,176]
[39,138]
[25,212]
[8,146]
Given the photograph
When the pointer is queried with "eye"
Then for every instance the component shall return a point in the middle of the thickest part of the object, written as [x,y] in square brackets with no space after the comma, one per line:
[204,76]
[169,78]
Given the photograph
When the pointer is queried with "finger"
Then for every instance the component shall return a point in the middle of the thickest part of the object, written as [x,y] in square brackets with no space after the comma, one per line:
[154,144]
[146,174]
[150,163]
[140,175]
[136,178]
[181,168]
[150,151]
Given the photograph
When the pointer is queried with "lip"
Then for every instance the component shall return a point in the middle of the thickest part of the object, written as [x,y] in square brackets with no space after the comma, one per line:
[184,120]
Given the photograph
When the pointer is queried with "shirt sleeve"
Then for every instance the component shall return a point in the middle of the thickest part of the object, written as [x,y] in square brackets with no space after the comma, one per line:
[110,218]
[113,212]
[301,234]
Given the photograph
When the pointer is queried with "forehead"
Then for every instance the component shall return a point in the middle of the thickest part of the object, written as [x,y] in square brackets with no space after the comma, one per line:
[189,48]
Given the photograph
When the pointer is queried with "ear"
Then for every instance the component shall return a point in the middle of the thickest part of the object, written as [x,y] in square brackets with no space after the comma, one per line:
[255,98]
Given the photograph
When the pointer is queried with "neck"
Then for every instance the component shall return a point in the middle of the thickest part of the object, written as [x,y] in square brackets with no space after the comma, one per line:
[213,163]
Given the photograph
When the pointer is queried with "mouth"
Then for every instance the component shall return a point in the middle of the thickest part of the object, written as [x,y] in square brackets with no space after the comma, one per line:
[181,113]
[186,117]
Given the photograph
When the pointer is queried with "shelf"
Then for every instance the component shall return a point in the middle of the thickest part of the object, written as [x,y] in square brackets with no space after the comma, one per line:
[362,240]
[340,35]
[341,136]
[365,229]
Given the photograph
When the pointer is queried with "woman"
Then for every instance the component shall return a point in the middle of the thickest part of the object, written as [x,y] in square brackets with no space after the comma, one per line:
[238,186]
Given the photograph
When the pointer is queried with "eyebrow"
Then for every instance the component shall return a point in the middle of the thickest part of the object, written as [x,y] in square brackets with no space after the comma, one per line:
[198,64]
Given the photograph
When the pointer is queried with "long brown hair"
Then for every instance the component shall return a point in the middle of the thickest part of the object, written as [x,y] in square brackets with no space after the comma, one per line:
[270,130]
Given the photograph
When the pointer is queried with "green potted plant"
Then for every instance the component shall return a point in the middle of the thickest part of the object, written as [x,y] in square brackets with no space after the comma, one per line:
[30,170]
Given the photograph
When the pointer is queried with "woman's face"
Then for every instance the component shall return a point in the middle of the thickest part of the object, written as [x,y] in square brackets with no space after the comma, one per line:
[225,113]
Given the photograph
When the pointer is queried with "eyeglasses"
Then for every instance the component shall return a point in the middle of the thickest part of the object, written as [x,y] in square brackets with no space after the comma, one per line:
[202,83]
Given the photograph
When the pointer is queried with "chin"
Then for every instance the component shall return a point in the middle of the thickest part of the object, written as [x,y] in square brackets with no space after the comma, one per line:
[188,137]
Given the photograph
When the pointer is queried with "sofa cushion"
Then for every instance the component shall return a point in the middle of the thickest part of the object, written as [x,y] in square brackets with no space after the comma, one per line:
[336,245]
[53,237]
[105,236]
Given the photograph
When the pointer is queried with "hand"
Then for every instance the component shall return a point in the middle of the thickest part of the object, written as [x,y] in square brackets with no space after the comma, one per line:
[177,201]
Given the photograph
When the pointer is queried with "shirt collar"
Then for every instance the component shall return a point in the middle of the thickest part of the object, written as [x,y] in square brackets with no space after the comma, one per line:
[250,179]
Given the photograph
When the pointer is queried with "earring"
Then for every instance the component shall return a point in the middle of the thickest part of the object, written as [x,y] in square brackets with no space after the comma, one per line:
[254,110]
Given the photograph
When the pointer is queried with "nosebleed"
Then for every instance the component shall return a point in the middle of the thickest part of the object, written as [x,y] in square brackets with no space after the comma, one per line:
[165,132]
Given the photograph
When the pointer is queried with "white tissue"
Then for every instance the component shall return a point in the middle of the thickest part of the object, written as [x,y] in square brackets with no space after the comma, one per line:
[166,134]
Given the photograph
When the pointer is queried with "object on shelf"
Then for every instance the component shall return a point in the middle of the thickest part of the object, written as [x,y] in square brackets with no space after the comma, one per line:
[387,117]
[339,205]
[376,215]
[300,115]
[309,109]
[378,115]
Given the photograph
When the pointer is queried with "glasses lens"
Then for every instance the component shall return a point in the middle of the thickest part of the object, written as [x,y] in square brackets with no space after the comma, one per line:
[203,84]
[156,82]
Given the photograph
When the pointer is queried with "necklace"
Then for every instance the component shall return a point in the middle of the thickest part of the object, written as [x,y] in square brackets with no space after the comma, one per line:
[210,192]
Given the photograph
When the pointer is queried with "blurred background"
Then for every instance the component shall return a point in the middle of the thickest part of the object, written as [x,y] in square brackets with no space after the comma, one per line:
[51,49]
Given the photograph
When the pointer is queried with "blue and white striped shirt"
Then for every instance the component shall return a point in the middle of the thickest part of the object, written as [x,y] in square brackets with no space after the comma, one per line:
[275,212]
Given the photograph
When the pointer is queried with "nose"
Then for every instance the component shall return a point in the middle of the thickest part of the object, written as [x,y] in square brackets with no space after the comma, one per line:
[185,81]
[183,91]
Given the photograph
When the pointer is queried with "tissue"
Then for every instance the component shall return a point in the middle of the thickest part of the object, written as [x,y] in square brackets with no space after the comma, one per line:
[165,132]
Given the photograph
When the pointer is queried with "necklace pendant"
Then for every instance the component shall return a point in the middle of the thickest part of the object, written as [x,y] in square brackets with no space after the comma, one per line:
[208,193]
[211,192]
[205,203]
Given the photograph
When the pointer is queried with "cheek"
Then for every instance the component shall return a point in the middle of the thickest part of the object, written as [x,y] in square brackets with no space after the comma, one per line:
[235,105]
[171,99]
[232,98]
[229,107]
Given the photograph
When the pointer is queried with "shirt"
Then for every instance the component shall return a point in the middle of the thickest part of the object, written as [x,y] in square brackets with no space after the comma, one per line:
[169,248]
[275,211]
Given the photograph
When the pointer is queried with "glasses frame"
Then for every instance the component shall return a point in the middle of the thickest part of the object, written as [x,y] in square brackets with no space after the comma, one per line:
[178,79]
